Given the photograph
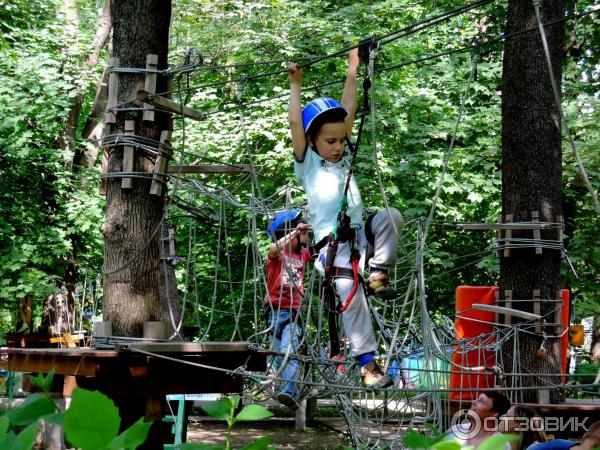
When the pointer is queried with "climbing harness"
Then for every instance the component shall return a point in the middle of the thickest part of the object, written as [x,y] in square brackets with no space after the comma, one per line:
[343,232]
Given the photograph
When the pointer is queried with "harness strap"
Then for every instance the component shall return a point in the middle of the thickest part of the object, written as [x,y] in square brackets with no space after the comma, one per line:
[332,316]
[354,260]
[369,231]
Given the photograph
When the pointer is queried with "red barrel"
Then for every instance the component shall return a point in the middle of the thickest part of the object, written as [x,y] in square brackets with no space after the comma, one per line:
[479,324]
[472,324]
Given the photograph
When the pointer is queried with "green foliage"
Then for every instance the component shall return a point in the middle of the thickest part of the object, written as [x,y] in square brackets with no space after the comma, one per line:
[224,409]
[95,419]
[92,421]
[413,439]
[440,441]
[50,215]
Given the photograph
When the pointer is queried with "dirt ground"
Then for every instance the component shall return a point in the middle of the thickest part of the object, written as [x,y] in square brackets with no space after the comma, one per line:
[280,432]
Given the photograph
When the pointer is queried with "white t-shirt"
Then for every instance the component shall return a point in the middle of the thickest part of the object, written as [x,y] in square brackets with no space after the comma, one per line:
[324,183]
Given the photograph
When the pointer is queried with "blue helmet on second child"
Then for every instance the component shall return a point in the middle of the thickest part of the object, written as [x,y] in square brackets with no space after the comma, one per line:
[318,107]
[284,222]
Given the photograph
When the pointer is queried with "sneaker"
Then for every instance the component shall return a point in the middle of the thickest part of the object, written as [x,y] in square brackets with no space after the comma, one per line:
[373,377]
[379,286]
[286,399]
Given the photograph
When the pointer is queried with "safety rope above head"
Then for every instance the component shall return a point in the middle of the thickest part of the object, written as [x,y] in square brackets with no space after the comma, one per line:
[366,50]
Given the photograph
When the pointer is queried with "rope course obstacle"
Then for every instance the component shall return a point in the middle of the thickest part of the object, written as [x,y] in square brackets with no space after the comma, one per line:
[422,354]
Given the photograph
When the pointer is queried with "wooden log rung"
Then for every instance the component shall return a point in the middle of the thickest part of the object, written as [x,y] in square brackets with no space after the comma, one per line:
[558,314]
[150,85]
[509,218]
[535,218]
[537,309]
[506,226]
[210,168]
[128,156]
[158,178]
[560,220]
[113,91]
[510,312]
[508,305]
[164,104]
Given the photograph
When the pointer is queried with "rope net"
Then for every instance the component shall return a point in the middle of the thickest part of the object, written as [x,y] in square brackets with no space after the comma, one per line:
[418,351]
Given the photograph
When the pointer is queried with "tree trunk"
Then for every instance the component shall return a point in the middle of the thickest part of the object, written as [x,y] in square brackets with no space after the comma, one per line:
[133,217]
[86,156]
[531,178]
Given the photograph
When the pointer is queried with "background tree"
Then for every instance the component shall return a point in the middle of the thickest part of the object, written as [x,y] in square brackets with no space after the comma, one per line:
[531,178]
[415,104]
[132,236]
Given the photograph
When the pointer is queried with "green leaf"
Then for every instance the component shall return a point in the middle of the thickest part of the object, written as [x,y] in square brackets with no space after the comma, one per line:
[92,421]
[415,440]
[497,441]
[56,418]
[10,441]
[261,443]
[44,383]
[447,445]
[4,422]
[132,437]
[34,407]
[253,412]
[27,436]
[222,409]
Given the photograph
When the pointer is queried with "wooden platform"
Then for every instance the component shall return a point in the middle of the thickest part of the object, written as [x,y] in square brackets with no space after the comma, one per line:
[138,383]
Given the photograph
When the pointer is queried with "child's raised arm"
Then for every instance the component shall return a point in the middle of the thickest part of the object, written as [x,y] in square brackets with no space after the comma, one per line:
[284,242]
[350,90]
[295,111]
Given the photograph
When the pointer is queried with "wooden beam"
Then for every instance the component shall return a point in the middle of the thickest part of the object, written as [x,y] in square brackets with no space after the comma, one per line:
[164,104]
[560,220]
[505,226]
[113,92]
[537,309]
[158,178]
[211,168]
[191,347]
[558,314]
[508,304]
[535,218]
[499,232]
[508,236]
[150,85]
[506,311]
[128,156]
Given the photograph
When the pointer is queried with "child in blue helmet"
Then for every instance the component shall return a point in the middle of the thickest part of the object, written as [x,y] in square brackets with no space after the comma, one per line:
[321,165]
[286,261]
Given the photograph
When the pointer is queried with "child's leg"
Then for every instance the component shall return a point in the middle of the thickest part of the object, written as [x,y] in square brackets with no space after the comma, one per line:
[359,331]
[385,227]
[290,341]
[275,337]
[356,319]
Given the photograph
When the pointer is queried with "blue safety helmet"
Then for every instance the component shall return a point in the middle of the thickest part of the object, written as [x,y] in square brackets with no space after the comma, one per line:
[282,220]
[320,106]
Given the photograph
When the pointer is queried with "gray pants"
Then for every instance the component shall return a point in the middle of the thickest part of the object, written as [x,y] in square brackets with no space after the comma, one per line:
[357,319]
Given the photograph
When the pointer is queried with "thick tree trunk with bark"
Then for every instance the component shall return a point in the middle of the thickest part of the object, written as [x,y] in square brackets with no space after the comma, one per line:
[133,217]
[531,178]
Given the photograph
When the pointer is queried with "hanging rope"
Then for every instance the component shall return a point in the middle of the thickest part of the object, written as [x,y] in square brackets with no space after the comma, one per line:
[555,91]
